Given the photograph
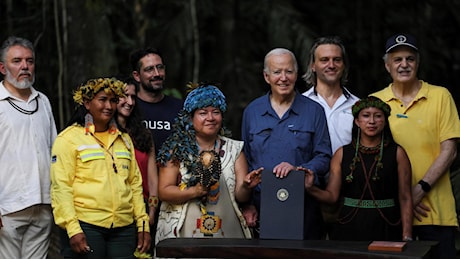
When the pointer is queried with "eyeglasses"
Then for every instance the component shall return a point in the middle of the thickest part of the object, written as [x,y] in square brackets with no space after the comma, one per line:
[158,67]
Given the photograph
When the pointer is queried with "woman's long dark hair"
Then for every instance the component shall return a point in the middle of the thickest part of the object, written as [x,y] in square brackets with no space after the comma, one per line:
[78,116]
[141,136]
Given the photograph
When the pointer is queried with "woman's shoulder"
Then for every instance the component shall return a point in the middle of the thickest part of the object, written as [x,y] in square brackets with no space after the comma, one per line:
[230,140]
[72,130]
[232,143]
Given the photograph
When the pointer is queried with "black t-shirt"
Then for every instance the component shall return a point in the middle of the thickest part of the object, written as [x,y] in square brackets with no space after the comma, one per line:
[159,117]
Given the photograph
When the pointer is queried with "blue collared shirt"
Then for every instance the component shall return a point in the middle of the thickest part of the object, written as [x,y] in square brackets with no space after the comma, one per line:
[300,137]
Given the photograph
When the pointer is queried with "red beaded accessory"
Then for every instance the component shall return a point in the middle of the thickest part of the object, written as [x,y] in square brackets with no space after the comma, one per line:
[153,201]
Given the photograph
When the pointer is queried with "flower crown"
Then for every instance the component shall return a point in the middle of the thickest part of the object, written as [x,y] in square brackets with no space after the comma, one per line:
[370,101]
[93,86]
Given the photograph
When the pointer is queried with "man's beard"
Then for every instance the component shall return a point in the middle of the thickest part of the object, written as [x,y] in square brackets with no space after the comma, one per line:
[24,84]
[158,88]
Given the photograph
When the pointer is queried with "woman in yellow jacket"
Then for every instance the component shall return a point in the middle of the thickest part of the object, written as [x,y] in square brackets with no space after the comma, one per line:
[96,185]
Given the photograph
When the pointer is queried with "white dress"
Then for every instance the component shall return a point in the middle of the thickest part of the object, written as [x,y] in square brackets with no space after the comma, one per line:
[174,220]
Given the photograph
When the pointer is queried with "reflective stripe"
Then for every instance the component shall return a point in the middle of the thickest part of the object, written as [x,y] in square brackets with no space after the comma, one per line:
[91,155]
[124,154]
[368,204]
[88,146]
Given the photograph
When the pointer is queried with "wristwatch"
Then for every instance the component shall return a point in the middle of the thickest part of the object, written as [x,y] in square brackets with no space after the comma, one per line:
[425,186]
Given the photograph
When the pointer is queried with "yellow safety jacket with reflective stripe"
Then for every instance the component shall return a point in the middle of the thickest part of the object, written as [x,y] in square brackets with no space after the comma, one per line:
[97,185]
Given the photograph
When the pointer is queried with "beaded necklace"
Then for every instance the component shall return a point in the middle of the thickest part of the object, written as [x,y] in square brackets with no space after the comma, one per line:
[377,164]
[367,150]
[22,110]
[208,173]
[103,145]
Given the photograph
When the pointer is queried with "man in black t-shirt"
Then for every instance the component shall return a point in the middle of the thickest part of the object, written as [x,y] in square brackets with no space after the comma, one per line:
[158,109]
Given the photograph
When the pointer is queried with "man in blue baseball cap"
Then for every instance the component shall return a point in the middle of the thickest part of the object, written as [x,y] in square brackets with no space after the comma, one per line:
[400,40]
[424,121]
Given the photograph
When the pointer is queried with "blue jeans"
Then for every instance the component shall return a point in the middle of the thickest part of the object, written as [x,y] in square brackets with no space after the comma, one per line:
[105,242]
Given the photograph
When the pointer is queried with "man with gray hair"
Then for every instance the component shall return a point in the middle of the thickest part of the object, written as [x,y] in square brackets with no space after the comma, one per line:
[284,130]
[424,121]
[28,132]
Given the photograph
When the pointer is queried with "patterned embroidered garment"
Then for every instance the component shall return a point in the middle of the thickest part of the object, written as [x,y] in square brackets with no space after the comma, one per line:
[172,217]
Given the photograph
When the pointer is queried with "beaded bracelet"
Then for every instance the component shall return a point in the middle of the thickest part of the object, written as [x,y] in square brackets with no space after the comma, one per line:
[153,201]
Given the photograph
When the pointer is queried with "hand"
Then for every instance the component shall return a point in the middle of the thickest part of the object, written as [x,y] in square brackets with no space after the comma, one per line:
[143,241]
[200,190]
[250,215]
[420,210]
[282,170]
[79,245]
[254,178]
[417,194]
[309,177]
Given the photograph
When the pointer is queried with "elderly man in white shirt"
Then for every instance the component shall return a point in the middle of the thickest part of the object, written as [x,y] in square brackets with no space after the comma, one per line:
[28,131]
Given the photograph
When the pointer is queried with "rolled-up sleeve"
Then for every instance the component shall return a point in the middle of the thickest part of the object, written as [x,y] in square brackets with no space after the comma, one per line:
[321,146]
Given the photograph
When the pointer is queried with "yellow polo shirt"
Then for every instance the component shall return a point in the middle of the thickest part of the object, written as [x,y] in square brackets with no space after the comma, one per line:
[420,128]
[85,186]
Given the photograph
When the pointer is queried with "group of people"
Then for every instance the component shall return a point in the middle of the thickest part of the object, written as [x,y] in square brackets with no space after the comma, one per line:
[376,168]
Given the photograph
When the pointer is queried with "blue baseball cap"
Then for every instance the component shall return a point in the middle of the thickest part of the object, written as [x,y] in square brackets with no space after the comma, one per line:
[401,40]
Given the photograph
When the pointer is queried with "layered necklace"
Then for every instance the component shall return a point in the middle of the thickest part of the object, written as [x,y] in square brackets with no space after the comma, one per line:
[22,110]
[208,172]
[103,144]
[359,150]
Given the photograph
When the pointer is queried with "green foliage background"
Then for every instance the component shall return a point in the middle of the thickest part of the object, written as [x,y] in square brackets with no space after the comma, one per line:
[225,41]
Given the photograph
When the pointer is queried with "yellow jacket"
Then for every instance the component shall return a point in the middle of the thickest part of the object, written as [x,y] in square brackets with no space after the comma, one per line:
[85,186]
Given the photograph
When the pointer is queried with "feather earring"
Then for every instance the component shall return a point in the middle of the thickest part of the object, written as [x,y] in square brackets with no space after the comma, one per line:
[89,124]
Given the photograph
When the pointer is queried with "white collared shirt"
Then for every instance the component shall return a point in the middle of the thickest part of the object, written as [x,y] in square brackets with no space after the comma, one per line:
[339,117]
[25,151]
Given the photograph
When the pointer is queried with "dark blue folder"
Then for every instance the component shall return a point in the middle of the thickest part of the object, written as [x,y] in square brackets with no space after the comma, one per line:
[282,206]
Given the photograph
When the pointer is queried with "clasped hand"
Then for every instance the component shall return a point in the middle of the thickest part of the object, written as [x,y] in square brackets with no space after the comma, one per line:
[309,177]
[200,190]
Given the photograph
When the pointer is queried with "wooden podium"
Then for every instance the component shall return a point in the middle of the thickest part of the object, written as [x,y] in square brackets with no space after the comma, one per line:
[266,248]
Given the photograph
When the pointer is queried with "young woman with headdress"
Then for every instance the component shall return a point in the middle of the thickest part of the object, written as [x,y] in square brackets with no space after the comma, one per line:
[203,174]
[372,177]
[96,186]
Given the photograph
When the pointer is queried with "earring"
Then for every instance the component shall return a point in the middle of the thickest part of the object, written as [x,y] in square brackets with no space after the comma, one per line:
[89,124]
[112,126]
